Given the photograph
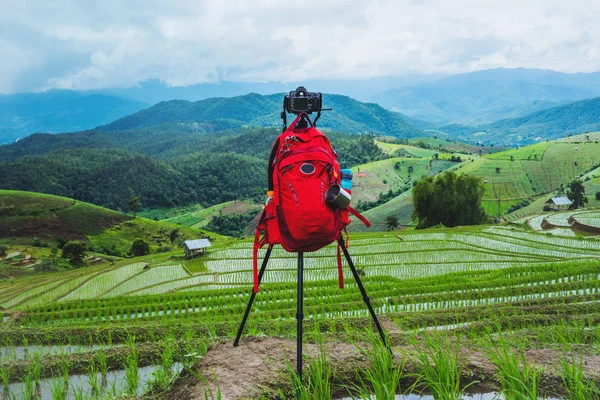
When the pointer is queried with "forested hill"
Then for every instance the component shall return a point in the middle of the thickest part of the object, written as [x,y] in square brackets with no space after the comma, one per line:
[578,117]
[254,110]
[164,168]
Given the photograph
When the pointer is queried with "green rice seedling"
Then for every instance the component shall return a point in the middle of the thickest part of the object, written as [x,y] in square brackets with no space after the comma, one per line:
[441,366]
[159,380]
[58,389]
[65,367]
[131,368]
[92,378]
[79,393]
[578,386]
[317,383]
[381,380]
[5,373]
[29,386]
[102,361]
[168,353]
[519,379]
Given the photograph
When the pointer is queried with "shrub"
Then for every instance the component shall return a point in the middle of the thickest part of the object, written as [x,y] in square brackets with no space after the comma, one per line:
[74,251]
[60,241]
[45,266]
[139,248]
[3,251]
[39,243]
[597,195]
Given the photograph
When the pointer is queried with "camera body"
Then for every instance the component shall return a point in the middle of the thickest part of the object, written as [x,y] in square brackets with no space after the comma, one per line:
[302,101]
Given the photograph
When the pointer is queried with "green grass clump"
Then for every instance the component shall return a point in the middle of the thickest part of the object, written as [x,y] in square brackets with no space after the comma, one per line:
[519,379]
[441,366]
[381,380]
[578,386]
[316,382]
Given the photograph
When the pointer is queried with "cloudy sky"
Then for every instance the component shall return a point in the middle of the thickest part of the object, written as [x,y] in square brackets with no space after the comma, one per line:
[91,44]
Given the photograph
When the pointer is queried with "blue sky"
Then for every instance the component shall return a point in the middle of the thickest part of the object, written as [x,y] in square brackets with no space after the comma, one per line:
[98,44]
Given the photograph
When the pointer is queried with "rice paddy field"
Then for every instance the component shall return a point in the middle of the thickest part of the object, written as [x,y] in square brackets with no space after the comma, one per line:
[503,292]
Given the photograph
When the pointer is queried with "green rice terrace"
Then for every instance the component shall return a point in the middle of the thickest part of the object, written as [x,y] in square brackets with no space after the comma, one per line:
[488,309]
[517,182]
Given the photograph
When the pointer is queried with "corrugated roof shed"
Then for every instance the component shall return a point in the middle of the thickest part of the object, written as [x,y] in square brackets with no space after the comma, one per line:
[560,201]
[197,244]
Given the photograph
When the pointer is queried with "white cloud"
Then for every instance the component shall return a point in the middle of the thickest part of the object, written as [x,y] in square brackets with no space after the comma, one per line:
[182,42]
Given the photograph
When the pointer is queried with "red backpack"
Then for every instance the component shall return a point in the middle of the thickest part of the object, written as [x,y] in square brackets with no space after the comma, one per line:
[302,166]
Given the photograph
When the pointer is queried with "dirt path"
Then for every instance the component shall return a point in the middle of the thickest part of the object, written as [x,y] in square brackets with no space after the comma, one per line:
[258,366]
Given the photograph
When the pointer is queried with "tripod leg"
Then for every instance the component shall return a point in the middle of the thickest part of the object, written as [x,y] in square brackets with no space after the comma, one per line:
[361,288]
[252,296]
[299,314]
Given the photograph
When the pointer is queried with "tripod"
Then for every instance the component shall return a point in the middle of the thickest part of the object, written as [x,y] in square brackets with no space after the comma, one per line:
[299,304]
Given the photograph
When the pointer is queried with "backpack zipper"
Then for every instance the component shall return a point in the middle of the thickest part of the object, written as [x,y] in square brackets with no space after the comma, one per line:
[293,192]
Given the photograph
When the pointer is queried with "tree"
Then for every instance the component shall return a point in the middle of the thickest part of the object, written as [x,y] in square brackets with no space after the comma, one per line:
[134,205]
[140,248]
[391,222]
[512,158]
[497,170]
[3,251]
[597,195]
[74,251]
[448,199]
[173,236]
[576,194]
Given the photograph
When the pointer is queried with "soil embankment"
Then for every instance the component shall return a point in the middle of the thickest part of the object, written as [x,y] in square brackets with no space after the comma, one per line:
[258,367]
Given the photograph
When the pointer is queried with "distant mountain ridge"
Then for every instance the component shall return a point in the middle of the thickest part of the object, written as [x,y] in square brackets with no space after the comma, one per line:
[254,110]
[577,117]
[476,100]
[59,111]
[424,101]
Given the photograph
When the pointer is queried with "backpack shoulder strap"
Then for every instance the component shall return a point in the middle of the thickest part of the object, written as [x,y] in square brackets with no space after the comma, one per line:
[359,216]
[271,166]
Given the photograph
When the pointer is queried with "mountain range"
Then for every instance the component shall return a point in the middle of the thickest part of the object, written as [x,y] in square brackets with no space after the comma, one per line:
[507,106]
[577,117]
[487,96]
[57,111]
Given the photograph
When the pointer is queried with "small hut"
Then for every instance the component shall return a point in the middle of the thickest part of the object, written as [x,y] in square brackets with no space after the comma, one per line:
[195,247]
[559,203]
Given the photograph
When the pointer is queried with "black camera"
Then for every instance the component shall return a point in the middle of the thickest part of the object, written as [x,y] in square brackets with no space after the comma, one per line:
[302,101]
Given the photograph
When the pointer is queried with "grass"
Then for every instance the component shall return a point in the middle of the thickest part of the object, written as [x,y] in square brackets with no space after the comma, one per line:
[535,172]
[465,279]
[440,367]
[200,217]
[316,382]
[578,386]
[26,215]
[121,236]
[382,378]
[520,379]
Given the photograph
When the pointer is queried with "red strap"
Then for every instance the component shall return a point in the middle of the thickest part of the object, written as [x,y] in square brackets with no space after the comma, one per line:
[340,270]
[347,237]
[359,216]
[255,259]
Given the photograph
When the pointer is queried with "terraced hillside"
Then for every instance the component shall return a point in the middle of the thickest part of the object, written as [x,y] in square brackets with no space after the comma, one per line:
[407,256]
[377,177]
[455,280]
[27,215]
[566,223]
[529,174]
